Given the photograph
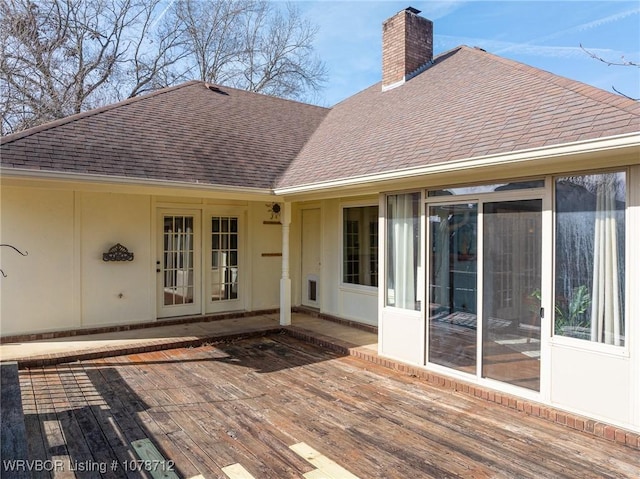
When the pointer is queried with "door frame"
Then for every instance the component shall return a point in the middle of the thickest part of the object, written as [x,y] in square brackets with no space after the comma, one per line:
[202,257]
[304,275]
[194,308]
[542,194]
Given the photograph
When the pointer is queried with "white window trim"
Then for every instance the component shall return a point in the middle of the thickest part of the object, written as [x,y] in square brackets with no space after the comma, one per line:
[352,287]
[583,344]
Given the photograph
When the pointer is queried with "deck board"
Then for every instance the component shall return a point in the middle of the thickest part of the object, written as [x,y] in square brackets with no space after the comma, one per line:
[247,402]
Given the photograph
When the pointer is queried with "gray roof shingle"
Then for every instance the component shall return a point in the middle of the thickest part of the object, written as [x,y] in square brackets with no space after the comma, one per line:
[468,104]
[187,133]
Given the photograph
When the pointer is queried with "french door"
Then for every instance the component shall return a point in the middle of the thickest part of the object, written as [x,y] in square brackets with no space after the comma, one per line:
[199,266]
[484,289]
[223,264]
[179,268]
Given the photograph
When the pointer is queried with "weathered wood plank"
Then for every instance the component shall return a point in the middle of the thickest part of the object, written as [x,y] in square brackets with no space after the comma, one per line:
[322,462]
[152,460]
[246,402]
[13,438]
[236,471]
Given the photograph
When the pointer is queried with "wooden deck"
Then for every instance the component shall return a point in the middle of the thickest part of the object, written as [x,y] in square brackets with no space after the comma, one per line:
[277,407]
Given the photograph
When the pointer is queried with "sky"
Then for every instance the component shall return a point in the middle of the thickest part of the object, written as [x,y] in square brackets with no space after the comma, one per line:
[542,34]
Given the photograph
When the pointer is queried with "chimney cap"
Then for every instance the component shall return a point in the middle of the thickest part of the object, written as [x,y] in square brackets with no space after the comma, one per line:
[415,11]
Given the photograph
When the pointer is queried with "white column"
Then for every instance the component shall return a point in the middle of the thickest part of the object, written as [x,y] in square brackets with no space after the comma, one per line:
[285,280]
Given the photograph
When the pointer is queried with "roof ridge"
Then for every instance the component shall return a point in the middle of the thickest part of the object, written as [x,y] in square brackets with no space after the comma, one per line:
[94,111]
[596,94]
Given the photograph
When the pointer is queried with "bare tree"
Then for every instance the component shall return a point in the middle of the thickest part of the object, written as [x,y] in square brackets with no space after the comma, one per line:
[252,44]
[278,56]
[59,57]
[621,63]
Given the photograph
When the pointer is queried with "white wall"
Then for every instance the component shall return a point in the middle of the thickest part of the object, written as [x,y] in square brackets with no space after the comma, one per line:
[593,383]
[346,301]
[116,292]
[265,270]
[39,292]
[63,283]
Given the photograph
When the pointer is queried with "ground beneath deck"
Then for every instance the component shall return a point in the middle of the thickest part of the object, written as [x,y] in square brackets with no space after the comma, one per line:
[244,404]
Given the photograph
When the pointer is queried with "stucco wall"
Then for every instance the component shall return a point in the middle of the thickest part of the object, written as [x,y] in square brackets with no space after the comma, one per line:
[64,284]
[115,292]
[40,290]
[336,298]
[264,239]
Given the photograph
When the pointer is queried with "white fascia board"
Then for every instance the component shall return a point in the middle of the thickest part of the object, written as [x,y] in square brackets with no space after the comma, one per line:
[620,142]
[29,174]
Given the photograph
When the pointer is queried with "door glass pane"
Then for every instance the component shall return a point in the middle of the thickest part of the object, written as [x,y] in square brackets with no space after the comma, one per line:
[453,286]
[224,258]
[511,295]
[178,275]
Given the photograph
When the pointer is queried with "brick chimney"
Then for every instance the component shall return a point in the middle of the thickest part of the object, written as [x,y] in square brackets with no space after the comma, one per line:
[407,47]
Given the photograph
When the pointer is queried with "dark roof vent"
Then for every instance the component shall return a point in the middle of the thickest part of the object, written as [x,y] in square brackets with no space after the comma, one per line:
[481,49]
[215,89]
[415,11]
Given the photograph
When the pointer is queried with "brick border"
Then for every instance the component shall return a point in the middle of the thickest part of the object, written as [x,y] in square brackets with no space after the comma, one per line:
[574,421]
[579,423]
[334,319]
[148,346]
[22,338]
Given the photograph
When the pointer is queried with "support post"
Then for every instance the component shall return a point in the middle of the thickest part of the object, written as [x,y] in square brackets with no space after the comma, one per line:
[285,280]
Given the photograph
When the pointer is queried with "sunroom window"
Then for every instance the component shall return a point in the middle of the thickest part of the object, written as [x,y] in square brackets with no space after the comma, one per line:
[590,257]
[403,251]
[360,246]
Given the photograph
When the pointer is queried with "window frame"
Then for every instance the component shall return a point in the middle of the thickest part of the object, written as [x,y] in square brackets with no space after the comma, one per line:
[583,344]
[355,287]
[383,251]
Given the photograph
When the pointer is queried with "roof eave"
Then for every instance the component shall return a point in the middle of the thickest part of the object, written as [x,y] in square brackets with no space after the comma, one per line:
[628,141]
[209,188]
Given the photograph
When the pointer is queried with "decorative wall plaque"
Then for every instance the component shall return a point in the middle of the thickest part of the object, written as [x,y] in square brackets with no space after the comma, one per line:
[117,253]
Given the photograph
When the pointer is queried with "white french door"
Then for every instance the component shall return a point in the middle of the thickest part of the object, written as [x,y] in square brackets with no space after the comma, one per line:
[200,265]
[178,269]
[224,269]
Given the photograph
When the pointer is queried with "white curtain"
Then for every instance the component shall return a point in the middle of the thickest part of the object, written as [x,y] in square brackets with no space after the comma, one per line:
[402,240]
[605,302]
[441,258]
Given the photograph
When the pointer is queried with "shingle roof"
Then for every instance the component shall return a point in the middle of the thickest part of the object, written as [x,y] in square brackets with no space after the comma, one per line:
[468,104]
[187,133]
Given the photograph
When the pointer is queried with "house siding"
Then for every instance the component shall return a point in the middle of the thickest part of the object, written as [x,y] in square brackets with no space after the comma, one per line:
[63,282]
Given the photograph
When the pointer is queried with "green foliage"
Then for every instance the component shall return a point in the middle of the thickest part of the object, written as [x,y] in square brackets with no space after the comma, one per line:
[570,313]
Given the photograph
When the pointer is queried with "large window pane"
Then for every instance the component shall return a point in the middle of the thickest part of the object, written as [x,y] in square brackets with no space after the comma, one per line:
[360,246]
[178,260]
[453,268]
[590,257]
[403,250]
[512,259]
[224,258]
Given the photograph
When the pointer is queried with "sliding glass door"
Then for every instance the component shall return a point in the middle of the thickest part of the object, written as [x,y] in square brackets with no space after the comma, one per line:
[492,248]
[512,260]
[453,286]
